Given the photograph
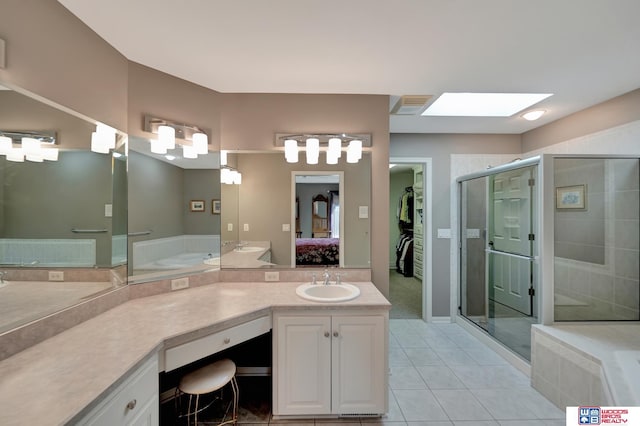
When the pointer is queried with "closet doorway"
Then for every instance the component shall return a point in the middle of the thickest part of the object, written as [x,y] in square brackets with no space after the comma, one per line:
[410,238]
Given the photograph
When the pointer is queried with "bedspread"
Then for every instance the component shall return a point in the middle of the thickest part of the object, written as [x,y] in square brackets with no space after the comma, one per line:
[317,251]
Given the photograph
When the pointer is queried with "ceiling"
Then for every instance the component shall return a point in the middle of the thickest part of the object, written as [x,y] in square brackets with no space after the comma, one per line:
[582,51]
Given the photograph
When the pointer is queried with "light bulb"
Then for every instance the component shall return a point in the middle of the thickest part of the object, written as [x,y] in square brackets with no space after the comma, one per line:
[313,150]
[158,147]
[98,145]
[201,143]
[30,146]
[189,152]
[6,144]
[167,137]
[291,150]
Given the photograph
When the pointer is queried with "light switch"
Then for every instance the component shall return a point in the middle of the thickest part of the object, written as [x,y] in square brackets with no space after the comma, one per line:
[246,226]
[363,212]
[286,227]
[444,233]
[229,226]
[108,210]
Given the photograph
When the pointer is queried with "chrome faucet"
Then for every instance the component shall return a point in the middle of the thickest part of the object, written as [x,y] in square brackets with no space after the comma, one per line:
[326,275]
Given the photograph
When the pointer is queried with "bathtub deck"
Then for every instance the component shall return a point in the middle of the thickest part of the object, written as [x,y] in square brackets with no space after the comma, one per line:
[587,363]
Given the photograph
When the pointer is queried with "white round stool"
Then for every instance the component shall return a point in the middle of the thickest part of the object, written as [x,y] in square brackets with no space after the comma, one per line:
[210,379]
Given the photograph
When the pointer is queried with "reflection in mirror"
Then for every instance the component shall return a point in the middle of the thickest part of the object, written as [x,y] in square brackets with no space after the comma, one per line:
[174,229]
[62,222]
[319,243]
[260,212]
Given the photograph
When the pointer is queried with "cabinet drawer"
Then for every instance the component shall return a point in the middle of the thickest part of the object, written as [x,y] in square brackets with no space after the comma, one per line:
[197,349]
[136,398]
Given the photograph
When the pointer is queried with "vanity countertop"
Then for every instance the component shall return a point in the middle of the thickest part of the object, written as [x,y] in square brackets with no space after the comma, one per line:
[61,378]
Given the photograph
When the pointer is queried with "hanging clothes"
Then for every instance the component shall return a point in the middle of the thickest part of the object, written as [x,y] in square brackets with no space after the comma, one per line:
[404,255]
[405,210]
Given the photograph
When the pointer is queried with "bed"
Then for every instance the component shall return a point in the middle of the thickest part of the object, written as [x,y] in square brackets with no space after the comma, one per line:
[317,251]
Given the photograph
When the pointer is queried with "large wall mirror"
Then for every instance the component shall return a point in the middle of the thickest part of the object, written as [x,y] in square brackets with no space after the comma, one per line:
[63,222]
[259,226]
[174,213]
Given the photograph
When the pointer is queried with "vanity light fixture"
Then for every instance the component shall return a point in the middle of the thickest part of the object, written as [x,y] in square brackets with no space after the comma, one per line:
[230,176]
[30,146]
[170,133]
[332,143]
[98,144]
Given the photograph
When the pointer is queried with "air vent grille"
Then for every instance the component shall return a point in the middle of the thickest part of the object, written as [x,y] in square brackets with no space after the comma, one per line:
[410,104]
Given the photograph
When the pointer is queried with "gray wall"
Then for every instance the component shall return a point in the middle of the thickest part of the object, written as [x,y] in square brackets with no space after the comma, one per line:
[201,185]
[440,147]
[47,200]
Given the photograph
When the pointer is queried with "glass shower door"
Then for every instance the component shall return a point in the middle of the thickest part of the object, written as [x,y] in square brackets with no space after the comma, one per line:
[497,253]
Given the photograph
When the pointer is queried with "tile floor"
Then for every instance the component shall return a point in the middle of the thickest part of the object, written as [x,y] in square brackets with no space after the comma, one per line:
[440,376]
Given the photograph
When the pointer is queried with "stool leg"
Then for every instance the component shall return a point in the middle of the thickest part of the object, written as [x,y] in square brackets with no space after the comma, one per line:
[236,398]
[196,415]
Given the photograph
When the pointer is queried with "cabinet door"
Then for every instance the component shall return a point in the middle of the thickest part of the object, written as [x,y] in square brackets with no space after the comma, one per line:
[303,365]
[359,365]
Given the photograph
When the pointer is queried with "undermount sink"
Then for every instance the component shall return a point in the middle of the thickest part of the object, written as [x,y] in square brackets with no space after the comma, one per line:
[328,293]
[249,249]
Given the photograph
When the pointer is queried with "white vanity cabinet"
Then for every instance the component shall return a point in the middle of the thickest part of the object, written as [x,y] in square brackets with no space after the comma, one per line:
[330,363]
[133,403]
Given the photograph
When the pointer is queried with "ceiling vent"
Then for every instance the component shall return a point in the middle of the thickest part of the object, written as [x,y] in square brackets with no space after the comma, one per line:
[410,105]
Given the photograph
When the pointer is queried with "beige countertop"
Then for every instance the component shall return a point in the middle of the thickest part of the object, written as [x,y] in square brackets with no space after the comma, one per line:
[60,379]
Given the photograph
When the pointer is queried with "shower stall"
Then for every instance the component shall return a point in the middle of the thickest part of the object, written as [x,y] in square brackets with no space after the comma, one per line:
[548,239]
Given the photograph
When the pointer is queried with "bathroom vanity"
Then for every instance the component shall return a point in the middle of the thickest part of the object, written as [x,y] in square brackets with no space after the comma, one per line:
[107,367]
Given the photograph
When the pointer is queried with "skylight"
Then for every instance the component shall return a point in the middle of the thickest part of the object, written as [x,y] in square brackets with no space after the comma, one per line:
[483,104]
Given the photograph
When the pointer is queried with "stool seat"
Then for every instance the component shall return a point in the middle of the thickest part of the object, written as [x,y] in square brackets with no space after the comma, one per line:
[209,378]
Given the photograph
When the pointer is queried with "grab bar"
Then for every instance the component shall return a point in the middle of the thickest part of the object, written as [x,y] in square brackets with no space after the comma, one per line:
[88,231]
[517,256]
[138,233]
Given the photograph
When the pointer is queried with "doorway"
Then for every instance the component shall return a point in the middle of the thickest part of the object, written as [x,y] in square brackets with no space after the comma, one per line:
[409,238]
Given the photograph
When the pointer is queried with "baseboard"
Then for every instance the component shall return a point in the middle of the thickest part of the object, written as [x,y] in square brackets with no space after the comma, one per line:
[441,320]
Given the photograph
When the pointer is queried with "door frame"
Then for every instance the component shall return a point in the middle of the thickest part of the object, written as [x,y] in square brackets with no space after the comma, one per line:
[427,273]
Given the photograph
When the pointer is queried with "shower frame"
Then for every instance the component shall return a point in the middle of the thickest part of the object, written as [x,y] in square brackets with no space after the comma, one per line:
[544,224]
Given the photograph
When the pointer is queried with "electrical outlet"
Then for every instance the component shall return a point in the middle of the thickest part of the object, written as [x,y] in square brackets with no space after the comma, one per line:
[229,226]
[180,283]
[272,276]
[246,226]
[56,275]
[286,227]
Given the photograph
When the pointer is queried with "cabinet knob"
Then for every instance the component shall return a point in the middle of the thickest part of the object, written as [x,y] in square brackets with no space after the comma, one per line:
[227,340]
[326,334]
[131,404]
[335,334]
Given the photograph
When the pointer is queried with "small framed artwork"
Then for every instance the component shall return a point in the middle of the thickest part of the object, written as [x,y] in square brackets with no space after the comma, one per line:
[571,197]
[215,206]
[196,205]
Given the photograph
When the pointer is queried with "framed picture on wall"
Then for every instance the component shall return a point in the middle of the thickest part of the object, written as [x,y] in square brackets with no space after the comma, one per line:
[196,205]
[571,197]
[215,206]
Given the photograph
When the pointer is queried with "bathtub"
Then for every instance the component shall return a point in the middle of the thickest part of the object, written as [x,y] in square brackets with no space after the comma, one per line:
[182,260]
[628,363]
